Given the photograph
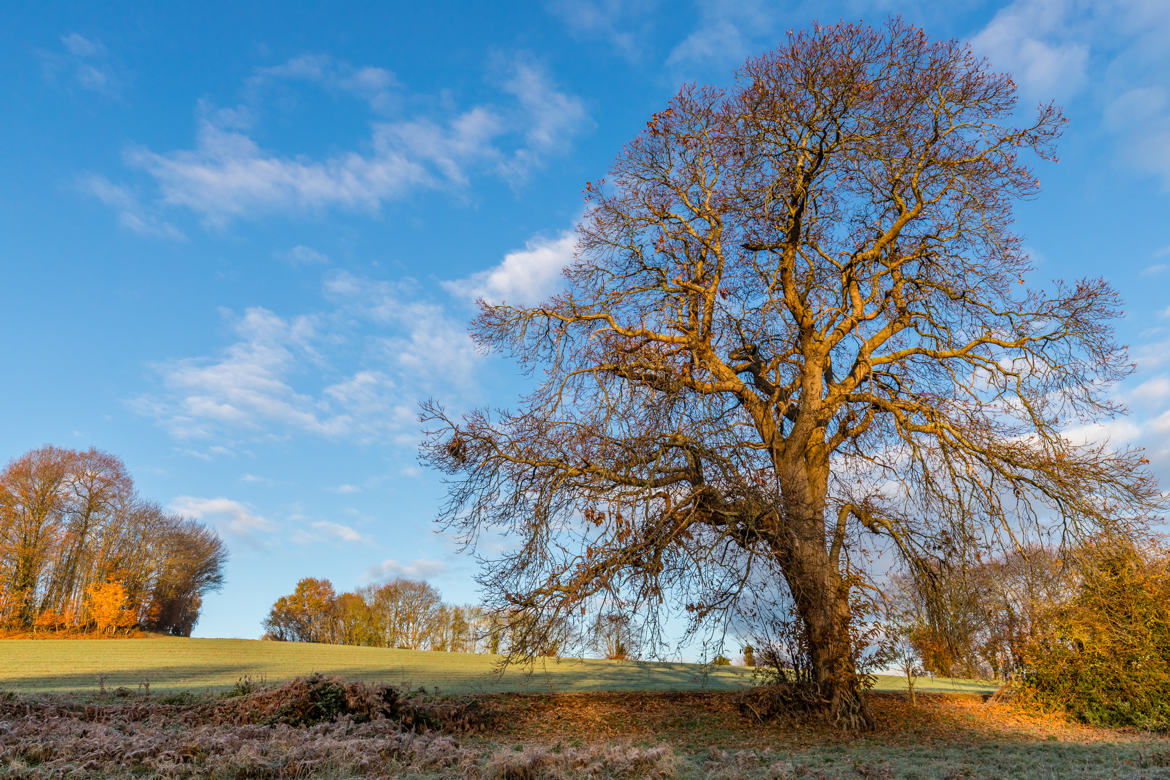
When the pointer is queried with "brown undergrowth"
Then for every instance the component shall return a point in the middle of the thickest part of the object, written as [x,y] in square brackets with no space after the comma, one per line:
[326,727]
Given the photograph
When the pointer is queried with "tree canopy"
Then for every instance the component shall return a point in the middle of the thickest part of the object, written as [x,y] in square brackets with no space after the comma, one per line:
[798,333]
[80,548]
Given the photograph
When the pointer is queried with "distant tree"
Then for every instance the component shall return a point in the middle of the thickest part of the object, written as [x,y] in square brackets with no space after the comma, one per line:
[193,557]
[107,606]
[797,332]
[308,614]
[749,655]
[356,621]
[31,519]
[972,619]
[612,634]
[71,520]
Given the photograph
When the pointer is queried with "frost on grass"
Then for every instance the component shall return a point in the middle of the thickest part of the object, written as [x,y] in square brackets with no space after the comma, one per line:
[323,727]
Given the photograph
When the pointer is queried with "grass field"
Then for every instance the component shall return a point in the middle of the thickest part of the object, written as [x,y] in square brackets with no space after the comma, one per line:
[175,664]
[575,720]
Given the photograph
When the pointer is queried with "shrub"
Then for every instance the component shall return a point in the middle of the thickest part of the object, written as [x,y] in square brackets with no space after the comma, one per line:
[1103,655]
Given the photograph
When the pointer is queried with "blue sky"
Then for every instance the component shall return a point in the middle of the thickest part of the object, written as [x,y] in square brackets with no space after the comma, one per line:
[239,246]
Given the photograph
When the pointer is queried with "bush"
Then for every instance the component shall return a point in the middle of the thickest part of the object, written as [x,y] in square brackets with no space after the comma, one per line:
[1103,655]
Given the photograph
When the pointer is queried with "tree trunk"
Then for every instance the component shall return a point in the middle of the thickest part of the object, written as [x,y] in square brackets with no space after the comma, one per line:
[822,602]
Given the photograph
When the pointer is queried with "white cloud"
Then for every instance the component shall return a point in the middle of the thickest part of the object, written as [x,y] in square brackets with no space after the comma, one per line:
[727,31]
[524,277]
[84,62]
[1152,356]
[252,479]
[430,347]
[376,86]
[343,533]
[246,386]
[132,215]
[1028,39]
[356,372]
[224,513]
[1155,269]
[1047,46]
[346,489]
[1154,390]
[1161,424]
[1142,116]
[80,46]
[550,118]
[418,569]
[304,255]
[624,24]
[1116,432]
[228,175]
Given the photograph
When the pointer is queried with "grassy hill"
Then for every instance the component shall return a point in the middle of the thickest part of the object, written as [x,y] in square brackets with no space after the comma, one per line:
[174,664]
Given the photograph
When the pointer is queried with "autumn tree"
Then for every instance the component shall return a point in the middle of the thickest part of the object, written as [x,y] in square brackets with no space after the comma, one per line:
[308,614]
[107,606]
[797,331]
[401,613]
[71,520]
[1103,653]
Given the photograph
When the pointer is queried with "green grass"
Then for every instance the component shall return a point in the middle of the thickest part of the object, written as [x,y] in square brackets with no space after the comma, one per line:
[171,665]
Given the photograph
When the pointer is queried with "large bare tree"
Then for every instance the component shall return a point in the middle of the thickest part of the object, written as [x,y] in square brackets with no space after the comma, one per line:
[797,332]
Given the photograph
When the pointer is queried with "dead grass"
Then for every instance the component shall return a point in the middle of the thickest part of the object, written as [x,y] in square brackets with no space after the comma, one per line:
[327,727]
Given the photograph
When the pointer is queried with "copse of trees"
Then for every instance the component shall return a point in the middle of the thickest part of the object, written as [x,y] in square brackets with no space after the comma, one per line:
[81,550]
[402,613]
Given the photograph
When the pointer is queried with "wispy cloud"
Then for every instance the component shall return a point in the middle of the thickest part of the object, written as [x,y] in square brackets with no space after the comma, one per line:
[377,86]
[727,31]
[326,531]
[1048,46]
[427,345]
[81,61]
[353,372]
[228,175]
[623,24]
[548,117]
[225,514]
[1029,39]
[419,569]
[303,255]
[132,215]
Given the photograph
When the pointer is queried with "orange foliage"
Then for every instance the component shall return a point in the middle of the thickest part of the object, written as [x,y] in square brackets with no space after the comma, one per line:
[107,606]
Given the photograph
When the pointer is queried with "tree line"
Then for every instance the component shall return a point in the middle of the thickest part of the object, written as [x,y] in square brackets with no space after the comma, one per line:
[411,614]
[402,613]
[81,550]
